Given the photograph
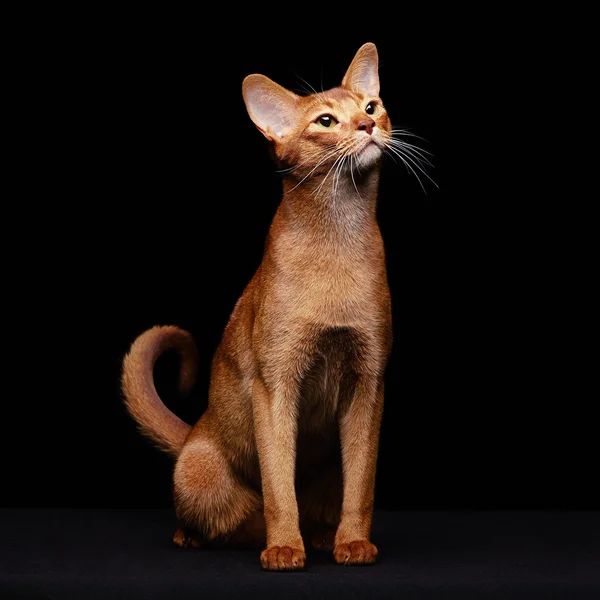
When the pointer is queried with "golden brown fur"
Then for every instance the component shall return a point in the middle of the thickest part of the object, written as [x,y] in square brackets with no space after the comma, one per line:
[299,371]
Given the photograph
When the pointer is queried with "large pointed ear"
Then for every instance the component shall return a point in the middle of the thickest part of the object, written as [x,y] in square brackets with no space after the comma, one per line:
[272,108]
[362,75]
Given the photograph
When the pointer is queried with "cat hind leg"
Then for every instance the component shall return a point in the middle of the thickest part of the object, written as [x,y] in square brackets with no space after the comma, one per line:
[211,503]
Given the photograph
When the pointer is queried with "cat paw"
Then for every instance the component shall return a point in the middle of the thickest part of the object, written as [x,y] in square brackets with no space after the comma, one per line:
[323,539]
[360,552]
[282,558]
[186,539]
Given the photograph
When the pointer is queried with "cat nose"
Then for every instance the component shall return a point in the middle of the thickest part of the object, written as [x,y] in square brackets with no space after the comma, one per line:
[366,125]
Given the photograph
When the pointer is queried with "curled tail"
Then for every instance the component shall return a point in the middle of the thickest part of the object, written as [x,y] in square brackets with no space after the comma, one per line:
[155,420]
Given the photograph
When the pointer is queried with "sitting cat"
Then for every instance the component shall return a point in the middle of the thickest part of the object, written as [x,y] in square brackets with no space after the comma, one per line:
[290,436]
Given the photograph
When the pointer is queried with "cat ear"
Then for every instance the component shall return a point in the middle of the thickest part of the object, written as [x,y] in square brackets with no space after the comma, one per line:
[272,108]
[362,75]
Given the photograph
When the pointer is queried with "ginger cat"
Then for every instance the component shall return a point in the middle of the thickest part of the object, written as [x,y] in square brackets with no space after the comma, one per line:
[289,440]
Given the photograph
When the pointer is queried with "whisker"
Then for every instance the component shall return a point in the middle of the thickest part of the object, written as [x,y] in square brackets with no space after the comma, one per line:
[412,152]
[329,155]
[407,160]
[311,88]
[409,133]
[390,154]
[397,138]
[317,191]
[352,175]
[414,148]
[318,188]
[337,160]
[336,174]
[309,159]
[408,167]
[336,179]
[418,166]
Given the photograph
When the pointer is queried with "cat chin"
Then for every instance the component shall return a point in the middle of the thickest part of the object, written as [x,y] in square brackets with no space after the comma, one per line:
[368,156]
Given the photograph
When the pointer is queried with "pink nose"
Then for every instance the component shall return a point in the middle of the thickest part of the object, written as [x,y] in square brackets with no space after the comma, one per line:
[366,125]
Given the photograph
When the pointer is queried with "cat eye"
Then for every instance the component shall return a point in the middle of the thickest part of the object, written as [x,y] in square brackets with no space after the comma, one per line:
[370,109]
[326,121]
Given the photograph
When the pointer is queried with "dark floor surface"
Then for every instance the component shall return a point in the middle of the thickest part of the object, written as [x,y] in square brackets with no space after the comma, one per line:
[88,554]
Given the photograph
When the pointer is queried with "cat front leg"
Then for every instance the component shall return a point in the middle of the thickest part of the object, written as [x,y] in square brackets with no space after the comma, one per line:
[275,425]
[359,434]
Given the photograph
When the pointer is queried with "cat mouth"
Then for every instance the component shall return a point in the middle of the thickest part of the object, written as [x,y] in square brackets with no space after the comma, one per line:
[369,144]
[369,153]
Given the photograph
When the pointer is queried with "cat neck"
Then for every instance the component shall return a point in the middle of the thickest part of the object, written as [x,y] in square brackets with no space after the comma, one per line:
[329,207]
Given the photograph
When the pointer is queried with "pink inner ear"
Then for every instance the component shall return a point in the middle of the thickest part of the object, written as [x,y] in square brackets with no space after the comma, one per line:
[364,79]
[270,106]
[362,75]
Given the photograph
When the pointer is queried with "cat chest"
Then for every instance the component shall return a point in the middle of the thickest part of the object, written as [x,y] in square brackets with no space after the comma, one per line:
[331,366]
[333,293]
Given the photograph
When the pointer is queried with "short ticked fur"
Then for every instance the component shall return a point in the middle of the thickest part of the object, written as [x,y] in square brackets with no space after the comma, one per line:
[289,440]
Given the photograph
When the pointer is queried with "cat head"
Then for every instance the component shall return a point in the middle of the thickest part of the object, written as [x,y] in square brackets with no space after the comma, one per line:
[310,133]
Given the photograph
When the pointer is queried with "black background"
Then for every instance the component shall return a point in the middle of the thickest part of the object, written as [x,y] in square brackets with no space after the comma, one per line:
[154,193]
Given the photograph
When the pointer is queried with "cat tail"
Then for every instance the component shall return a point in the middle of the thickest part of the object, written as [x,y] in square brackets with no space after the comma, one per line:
[154,419]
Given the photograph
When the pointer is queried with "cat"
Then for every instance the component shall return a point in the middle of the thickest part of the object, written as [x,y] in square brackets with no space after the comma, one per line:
[289,440]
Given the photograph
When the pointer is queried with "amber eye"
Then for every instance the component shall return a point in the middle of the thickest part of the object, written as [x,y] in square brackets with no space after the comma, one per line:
[370,108]
[326,121]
